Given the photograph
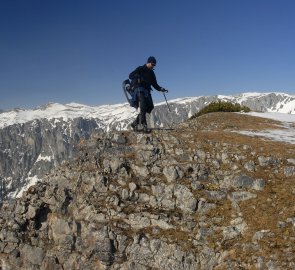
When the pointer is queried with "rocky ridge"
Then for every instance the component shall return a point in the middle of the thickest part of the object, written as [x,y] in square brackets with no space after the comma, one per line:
[197,197]
[29,149]
[34,141]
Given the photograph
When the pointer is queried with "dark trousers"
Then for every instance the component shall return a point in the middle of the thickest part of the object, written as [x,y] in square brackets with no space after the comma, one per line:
[141,117]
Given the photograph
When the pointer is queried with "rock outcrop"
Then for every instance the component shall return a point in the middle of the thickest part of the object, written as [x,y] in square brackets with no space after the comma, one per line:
[196,197]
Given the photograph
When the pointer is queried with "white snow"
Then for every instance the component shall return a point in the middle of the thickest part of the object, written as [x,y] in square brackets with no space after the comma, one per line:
[279,135]
[31,181]
[66,112]
[285,134]
[286,107]
[109,113]
[46,158]
[283,117]
[184,100]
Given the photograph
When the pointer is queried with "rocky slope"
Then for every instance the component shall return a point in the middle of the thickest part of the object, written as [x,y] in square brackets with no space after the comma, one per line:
[34,141]
[201,196]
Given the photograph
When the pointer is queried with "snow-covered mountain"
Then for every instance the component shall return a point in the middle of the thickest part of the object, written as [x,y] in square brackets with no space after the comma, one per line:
[118,116]
[105,115]
[34,141]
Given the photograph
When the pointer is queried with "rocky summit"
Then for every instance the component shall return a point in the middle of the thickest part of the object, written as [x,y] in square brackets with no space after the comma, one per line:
[200,195]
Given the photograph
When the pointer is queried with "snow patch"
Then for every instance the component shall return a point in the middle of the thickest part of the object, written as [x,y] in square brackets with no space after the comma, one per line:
[286,134]
[46,158]
[283,117]
[30,182]
[278,135]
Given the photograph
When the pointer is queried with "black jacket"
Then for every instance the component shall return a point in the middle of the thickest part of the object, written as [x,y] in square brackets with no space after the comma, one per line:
[144,77]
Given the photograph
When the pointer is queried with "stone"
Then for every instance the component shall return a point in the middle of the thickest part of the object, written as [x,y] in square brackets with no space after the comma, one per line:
[230,233]
[31,212]
[11,237]
[132,187]
[197,185]
[20,209]
[224,158]
[289,171]
[204,206]
[244,181]
[60,230]
[115,164]
[238,227]
[265,161]
[104,251]
[291,160]
[124,194]
[291,220]
[10,247]
[185,200]
[259,184]
[260,234]
[143,198]
[119,139]
[140,170]
[32,254]
[161,224]
[139,221]
[250,166]
[201,154]
[241,196]
[49,263]
[216,195]
[170,173]
[156,169]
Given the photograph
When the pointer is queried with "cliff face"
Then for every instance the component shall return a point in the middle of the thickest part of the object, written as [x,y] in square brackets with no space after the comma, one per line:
[31,149]
[201,196]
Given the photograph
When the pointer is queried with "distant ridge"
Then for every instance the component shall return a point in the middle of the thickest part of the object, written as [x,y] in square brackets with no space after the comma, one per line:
[110,114]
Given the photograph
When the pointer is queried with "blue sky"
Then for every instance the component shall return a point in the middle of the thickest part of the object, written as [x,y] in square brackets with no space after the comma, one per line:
[81,51]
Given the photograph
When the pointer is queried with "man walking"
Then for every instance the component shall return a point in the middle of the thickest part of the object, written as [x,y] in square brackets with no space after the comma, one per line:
[142,78]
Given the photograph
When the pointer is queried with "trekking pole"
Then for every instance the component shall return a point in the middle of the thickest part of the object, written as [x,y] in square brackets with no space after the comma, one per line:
[170,126]
[166,102]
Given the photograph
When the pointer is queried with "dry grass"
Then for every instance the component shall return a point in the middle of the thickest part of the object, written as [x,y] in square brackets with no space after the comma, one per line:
[233,121]
[219,126]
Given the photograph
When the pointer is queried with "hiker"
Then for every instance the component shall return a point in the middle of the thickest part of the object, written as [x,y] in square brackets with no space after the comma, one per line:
[142,78]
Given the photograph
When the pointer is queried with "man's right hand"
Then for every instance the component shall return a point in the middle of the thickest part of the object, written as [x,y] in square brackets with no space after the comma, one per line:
[164,90]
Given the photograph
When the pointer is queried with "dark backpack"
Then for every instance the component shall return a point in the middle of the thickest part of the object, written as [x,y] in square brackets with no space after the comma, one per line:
[129,92]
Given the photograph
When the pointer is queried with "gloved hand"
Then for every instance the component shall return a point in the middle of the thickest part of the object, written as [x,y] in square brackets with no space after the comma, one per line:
[164,90]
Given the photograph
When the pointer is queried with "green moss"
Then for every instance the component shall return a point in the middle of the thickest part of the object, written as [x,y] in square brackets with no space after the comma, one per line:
[221,106]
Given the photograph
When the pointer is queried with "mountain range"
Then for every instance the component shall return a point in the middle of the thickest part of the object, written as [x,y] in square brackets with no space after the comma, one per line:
[32,142]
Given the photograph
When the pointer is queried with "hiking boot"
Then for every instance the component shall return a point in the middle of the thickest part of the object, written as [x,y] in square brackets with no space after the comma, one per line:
[134,126]
[145,128]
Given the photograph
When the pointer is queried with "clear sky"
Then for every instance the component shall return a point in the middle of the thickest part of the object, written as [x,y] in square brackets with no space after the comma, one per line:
[81,50]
